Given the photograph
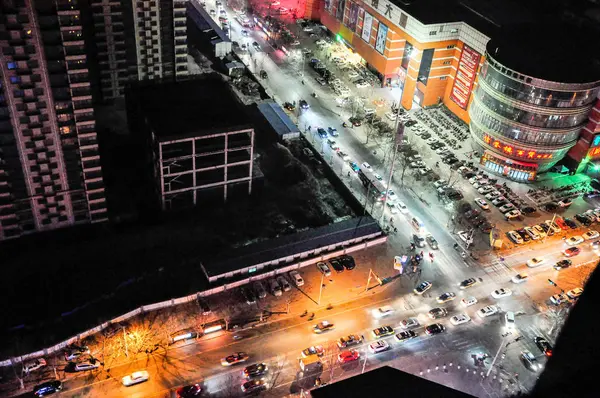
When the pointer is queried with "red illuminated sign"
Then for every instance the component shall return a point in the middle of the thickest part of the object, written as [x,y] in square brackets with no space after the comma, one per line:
[465,76]
[511,150]
[594,152]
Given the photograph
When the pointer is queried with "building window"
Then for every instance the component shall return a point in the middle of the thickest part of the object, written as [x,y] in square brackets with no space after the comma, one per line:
[403,20]
[447,62]
[432,33]
[11,65]
[443,77]
[15,79]
[450,47]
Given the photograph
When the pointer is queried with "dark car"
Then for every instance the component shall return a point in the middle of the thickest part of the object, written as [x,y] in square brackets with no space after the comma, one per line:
[432,242]
[485,227]
[418,240]
[193,390]
[434,329]
[528,210]
[524,235]
[582,218]
[256,46]
[406,335]
[467,283]
[383,331]
[437,312]
[248,295]
[303,104]
[544,346]
[347,262]
[254,386]
[256,370]
[336,265]
[454,194]
[289,106]
[570,223]
[355,121]
[49,387]
[322,132]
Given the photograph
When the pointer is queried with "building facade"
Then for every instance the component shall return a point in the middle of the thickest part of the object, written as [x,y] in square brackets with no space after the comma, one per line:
[525,124]
[50,173]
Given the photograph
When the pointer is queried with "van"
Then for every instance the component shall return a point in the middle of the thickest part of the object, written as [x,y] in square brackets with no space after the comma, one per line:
[509,320]
[418,225]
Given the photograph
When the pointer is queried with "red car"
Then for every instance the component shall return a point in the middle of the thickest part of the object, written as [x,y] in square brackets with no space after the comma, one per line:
[193,390]
[348,356]
[572,251]
[561,223]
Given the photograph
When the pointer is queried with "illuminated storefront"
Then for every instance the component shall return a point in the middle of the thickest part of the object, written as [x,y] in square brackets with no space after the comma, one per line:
[509,168]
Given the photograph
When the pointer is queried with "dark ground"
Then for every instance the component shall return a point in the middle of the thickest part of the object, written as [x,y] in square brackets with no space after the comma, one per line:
[58,284]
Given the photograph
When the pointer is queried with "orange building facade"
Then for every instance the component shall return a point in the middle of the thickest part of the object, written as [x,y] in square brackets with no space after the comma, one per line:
[432,62]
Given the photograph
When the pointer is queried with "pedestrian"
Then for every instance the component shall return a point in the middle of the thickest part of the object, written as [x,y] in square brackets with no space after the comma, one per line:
[422,253]
[309,127]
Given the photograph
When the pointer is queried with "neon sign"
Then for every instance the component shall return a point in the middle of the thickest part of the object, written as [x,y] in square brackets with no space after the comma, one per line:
[514,151]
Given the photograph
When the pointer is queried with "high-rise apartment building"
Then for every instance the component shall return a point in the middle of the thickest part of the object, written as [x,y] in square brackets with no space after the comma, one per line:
[50,174]
[139,40]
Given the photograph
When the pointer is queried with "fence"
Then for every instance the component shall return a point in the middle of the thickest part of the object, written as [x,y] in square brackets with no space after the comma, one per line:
[182,300]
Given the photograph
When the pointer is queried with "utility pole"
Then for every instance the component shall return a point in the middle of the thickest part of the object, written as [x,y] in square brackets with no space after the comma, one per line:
[321,288]
[550,227]
[397,143]
[365,362]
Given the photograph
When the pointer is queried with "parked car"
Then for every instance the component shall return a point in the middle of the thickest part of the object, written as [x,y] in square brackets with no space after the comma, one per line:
[274,287]
[348,262]
[323,268]
[259,289]
[336,265]
[296,278]
[285,285]
[47,388]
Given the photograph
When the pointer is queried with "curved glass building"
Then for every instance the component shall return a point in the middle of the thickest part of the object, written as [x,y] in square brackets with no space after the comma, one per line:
[526,111]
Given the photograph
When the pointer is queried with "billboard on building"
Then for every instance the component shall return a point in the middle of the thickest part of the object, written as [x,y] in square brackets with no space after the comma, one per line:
[381,38]
[465,76]
[367,23]
[359,20]
[353,18]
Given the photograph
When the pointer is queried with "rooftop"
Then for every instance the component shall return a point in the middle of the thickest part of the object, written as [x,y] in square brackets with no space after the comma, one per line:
[191,108]
[567,53]
[386,382]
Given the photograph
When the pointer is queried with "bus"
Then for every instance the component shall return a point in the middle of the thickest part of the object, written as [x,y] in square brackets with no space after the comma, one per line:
[375,187]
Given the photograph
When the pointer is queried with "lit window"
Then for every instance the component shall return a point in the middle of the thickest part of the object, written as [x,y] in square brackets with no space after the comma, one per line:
[11,65]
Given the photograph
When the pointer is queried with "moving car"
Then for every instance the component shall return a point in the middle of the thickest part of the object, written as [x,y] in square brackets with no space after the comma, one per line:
[190,391]
[487,311]
[322,132]
[323,327]
[253,386]
[323,268]
[434,329]
[468,301]
[460,319]
[418,240]
[345,157]
[467,283]
[383,311]
[235,358]
[572,251]
[406,335]
[437,312]
[562,264]
[47,388]
[348,356]
[445,297]
[379,346]
[574,240]
[303,104]
[313,350]
[392,207]
[366,166]
[431,241]
[559,298]
[350,340]
[575,293]
[423,287]
[383,331]
[519,278]
[409,323]
[591,235]
[135,378]
[354,167]
[501,293]
[256,370]
[529,361]
[86,365]
[543,345]
[534,262]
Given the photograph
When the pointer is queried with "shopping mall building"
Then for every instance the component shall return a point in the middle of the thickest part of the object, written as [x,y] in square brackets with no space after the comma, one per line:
[530,96]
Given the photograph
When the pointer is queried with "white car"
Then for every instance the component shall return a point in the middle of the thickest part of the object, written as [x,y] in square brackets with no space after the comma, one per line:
[402,207]
[575,293]
[392,207]
[539,230]
[492,195]
[482,203]
[460,319]
[499,201]
[591,235]
[512,214]
[383,311]
[515,237]
[501,293]
[392,196]
[574,240]
[33,365]
[555,228]
[439,183]
[409,323]
[367,166]
[532,233]
[487,311]
[296,278]
[323,268]
[87,365]
[519,278]
[379,346]
[135,378]
[534,262]
[468,301]
[559,298]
